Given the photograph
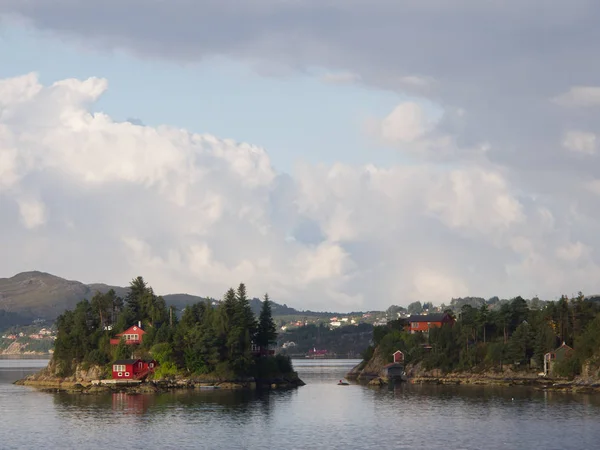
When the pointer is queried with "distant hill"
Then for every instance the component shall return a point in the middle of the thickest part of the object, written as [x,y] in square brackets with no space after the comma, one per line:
[37,295]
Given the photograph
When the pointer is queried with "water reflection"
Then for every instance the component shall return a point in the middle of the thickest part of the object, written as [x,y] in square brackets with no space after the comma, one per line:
[319,415]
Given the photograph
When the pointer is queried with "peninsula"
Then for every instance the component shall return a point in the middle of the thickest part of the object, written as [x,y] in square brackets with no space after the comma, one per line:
[550,346]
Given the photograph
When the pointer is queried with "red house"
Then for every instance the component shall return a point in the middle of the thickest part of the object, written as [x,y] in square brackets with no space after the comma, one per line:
[424,322]
[132,335]
[398,357]
[133,369]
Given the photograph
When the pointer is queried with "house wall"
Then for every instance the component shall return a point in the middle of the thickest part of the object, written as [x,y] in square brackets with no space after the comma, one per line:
[126,374]
[423,326]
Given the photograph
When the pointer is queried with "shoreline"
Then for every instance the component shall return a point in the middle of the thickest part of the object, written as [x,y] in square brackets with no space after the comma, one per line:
[51,384]
[372,374]
[541,383]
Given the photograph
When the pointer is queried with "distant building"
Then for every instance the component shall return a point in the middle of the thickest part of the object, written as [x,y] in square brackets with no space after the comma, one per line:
[132,335]
[424,322]
[395,371]
[551,358]
[335,324]
[398,356]
[258,350]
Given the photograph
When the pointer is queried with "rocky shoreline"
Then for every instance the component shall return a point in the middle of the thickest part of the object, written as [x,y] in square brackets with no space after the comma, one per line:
[157,386]
[372,373]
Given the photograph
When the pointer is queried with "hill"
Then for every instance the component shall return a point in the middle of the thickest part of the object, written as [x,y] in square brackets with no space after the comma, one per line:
[35,295]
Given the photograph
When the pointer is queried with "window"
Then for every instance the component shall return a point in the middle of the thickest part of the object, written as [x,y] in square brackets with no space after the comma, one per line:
[415,324]
[118,368]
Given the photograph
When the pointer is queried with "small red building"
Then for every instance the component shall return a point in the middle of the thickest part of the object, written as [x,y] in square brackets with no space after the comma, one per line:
[132,369]
[424,322]
[132,335]
[398,357]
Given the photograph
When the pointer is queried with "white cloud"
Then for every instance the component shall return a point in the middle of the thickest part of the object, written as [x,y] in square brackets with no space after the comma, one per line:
[406,123]
[580,142]
[195,213]
[409,127]
[33,212]
[579,96]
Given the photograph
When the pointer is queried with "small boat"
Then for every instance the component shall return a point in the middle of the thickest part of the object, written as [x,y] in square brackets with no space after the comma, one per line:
[343,383]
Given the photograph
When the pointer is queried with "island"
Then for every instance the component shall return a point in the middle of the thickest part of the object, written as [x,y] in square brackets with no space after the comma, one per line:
[138,344]
[551,346]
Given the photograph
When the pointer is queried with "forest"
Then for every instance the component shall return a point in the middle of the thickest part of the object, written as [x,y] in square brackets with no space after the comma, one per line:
[516,333]
[209,339]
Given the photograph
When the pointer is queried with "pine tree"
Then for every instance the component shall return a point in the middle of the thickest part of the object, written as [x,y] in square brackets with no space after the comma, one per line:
[266,333]
[137,289]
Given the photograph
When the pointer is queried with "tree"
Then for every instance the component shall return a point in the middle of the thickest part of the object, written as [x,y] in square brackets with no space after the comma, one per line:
[415,308]
[266,332]
[137,290]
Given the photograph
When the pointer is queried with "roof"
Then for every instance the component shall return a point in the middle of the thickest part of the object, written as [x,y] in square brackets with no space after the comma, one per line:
[126,361]
[427,317]
[132,329]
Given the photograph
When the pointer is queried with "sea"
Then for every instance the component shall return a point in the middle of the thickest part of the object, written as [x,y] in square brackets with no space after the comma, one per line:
[320,415]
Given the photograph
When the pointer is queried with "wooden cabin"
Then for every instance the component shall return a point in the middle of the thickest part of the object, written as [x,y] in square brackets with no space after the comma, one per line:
[133,369]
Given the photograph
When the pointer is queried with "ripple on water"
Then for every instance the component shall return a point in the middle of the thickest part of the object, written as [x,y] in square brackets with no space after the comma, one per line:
[318,415]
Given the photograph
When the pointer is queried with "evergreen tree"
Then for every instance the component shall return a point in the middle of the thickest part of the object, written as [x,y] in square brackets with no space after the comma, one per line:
[134,299]
[266,333]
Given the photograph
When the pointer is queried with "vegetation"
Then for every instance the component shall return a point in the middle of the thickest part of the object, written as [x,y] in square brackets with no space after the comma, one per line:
[495,334]
[206,340]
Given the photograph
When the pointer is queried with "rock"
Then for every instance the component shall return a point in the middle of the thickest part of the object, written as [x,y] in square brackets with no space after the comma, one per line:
[377,382]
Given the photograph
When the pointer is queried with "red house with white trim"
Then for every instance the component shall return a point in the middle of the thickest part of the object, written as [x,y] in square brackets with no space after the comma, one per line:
[132,335]
[133,369]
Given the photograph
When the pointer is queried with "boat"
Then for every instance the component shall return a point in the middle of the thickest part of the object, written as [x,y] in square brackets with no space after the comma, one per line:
[343,383]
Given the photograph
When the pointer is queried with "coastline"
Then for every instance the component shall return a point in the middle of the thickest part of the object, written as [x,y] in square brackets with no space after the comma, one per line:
[158,386]
[372,374]
[88,382]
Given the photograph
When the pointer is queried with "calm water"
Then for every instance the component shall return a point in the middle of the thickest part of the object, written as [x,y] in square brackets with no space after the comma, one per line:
[318,415]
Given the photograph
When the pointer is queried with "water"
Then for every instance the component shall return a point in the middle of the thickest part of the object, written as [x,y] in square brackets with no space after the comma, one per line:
[318,415]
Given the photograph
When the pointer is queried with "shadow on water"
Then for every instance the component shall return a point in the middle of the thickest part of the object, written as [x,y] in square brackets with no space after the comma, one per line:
[481,395]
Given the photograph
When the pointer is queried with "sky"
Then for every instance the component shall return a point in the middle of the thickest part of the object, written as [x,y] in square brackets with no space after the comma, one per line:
[338,154]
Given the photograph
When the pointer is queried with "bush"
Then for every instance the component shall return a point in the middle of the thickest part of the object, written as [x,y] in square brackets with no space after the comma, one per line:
[284,364]
[166,370]
[568,367]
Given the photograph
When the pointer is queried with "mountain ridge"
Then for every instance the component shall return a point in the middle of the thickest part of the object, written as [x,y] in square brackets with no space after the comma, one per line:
[40,295]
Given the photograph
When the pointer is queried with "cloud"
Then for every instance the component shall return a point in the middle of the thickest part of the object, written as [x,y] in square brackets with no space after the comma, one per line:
[33,213]
[580,142]
[579,96]
[341,78]
[406,123]
[196,213]
[499,61]
[410,128]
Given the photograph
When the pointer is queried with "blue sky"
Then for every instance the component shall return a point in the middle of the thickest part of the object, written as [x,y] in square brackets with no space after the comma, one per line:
[295,118]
